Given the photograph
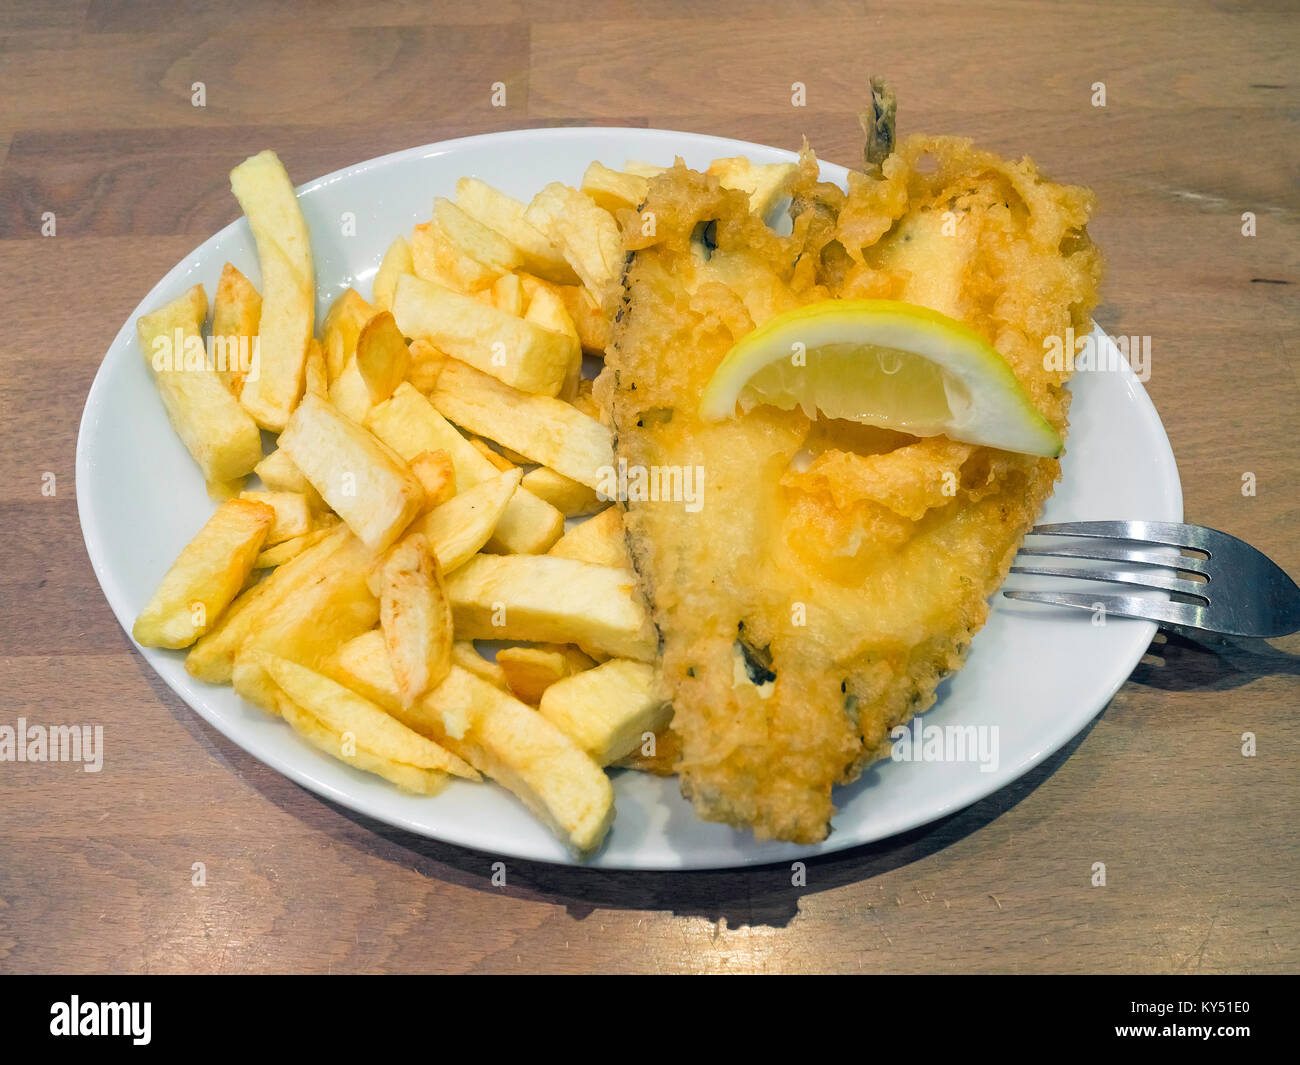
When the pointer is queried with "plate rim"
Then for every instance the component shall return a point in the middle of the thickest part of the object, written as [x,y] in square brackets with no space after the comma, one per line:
[117,596]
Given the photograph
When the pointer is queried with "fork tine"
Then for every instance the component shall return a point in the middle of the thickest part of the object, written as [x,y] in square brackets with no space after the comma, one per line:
[1253,595]
[1122,606]
[1116,552]
[1150,579]
[1168,533]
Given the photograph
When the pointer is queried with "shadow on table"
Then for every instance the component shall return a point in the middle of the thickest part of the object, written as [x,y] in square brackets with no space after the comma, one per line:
[1179,663]
[752,896]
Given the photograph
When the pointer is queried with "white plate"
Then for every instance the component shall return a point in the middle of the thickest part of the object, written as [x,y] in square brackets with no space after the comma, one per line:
[1039,675]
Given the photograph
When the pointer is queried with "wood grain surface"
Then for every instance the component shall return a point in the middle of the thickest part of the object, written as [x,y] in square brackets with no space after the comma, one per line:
[1201,124]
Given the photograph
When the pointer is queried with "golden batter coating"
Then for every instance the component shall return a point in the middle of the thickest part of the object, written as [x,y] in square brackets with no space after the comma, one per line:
[832,573]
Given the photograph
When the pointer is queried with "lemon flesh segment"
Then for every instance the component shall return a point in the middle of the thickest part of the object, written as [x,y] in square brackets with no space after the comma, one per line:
[883,363]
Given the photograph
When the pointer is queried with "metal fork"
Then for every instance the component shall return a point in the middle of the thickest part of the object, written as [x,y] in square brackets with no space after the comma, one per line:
[1240,591]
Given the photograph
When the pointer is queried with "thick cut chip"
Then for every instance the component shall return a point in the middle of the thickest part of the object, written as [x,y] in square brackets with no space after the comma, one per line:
[382,356]
[437,475]
[601,540]
[499,461]
[292,515]
[236,312]
[348,393]
[475,239]
[205,577]
[459,528]
[415,617]
[587,235]
[330,607]
[547,309]
[465,655]
[281,553]
[343,711]
[223,491]
[565,494]
[316,375]
[203,411]
[397,261]
[643,169]
[279,474]
[407,777]
[519,353]
[588,318]
[499,736]
[546,430]
[363,480]
[530,670]
[438,259]
[766,183]
[409,424]
[591,321]
[607,711]
[378,365]
[212,659]
[288,288]
[342,326]
[614,190]
[551,600]
[530,526]
[517,747]
[508,295]
[426,364]
[500,212]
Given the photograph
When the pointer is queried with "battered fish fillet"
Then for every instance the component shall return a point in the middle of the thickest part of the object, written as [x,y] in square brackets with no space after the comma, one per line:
[833,574]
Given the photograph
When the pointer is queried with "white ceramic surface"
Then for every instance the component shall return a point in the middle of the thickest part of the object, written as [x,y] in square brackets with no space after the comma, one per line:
[1038,674]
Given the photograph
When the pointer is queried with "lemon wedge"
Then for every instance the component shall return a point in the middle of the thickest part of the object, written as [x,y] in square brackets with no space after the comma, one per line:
[883,363]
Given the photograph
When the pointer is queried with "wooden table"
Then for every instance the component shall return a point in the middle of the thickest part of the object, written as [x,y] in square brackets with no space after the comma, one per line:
[1200,126]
